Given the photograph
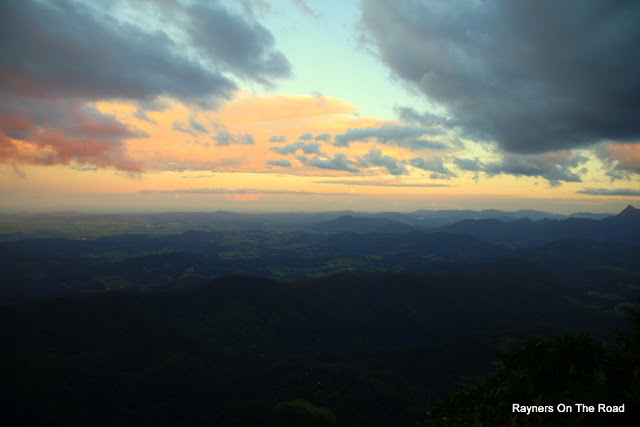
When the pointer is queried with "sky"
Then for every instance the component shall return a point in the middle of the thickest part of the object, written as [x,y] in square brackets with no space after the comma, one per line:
[317,105]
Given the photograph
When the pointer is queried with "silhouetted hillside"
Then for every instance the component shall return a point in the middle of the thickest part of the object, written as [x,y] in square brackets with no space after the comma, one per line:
[371,349]
[624,227]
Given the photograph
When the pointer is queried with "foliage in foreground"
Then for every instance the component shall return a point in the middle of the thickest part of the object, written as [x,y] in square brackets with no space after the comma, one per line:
[569,370]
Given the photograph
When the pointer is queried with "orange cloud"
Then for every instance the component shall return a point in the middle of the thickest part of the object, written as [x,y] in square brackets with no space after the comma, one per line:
[627,155]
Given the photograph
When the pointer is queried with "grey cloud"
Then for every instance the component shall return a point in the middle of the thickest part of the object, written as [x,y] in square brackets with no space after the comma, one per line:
[376,158]
[306,136]
[56,56]
[236,42]
[224,138]
[410,115]
[385,134]
[554,167]
[197,126]
[140,114]
[307,148]
[434,164]
[180,127]
[19,172]
[610,192]
[421,144]
[279,162]
[533,76]
[545,167]
[469,165]
[84,168]
[77,52]
[326,137]
[278,138]
[339,162]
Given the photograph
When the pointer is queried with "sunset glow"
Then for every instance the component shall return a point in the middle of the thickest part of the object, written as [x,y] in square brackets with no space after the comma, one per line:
[304,106]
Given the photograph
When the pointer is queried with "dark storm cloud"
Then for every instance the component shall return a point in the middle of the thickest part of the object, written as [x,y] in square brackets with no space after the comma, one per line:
[533,76]
[236,42]
[339,162]
[610,192]
[279,162]
[66,50]
[402,136]
[278,138]
[306,136]
[376,158]
[224,138]
[554,167]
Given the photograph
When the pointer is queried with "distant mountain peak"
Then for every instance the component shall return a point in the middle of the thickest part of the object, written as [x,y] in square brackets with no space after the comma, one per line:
[629,211]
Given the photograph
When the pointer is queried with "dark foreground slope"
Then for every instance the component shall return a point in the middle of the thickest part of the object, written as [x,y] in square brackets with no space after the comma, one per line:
[351,349]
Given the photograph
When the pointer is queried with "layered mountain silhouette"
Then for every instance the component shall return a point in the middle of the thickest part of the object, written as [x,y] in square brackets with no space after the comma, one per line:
[623,227]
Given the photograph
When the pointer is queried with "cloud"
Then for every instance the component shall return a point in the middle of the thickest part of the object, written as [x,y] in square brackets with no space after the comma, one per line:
[399,135]
[325,137]
[180,127]
[306,136]
[339,162]
[304,8]
[380,183]
[469,165]
[422,144]
[610,192]
[278,138]
[84,168]
[239,191]
[56,58]
[279,162]
[195,125]
[376,158]
[533,77]
[140,114]
[434,164]
[554,167]
[307,148]
[64,133]
[224,138]
[19,172]
[82,51]
[621,160]
[235,42]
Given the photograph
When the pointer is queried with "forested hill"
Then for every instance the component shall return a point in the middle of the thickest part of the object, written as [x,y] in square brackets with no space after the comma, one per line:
[354,349]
